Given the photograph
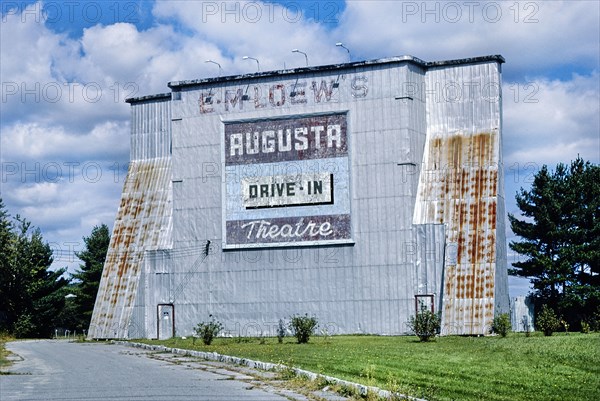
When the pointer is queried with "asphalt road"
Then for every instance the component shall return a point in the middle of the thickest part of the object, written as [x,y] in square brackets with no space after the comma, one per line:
[61,370]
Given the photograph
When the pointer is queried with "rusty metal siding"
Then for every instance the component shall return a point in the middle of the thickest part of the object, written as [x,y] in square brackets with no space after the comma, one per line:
[143,223]
[459,187]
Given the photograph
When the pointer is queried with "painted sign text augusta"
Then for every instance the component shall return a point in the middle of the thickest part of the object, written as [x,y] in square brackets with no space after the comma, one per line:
[276,140]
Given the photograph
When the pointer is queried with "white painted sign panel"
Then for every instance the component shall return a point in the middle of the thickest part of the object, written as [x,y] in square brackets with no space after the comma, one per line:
[287,181]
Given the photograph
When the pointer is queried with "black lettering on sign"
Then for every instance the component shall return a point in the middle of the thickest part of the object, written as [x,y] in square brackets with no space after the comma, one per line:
[287,190]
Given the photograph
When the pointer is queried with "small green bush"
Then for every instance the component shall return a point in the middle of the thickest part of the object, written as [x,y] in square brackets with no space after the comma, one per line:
[425,325]
[585,327]
[208,330]
[501,324]
[303,327]
[546,321]
[24,327]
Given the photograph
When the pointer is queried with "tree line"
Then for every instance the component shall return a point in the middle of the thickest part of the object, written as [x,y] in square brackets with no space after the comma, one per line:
[34,299]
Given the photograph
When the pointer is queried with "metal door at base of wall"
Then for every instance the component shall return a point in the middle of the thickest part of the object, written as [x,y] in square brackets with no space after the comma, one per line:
[165,315]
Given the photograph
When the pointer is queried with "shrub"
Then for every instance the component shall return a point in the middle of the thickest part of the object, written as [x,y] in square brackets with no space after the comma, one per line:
[501,324]
[24,327]
[585,327]
[208,330]
[425,325]
[547,321]
[303,327]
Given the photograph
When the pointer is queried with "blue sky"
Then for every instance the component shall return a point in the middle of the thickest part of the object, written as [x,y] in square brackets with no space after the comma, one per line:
[66,68]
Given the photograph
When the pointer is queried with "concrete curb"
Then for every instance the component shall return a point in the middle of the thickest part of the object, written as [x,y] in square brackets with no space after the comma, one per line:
[213,356]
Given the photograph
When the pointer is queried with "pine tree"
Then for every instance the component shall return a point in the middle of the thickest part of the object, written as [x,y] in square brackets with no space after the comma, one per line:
[560,238]
[6,276]
[41,298]
[89,274]
[31,293]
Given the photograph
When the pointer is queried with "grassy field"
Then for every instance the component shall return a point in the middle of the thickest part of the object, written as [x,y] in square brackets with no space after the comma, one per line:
[561,367]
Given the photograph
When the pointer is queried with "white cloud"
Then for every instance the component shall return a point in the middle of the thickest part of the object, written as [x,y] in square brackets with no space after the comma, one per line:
[28,50]
[551,121]
[40,192]
[547,122]
[266,31]
[64,200]
[529,34]
[108,140]
[122,53]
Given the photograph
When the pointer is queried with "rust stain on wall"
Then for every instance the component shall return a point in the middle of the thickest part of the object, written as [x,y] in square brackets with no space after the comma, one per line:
[459,188]
[137,228]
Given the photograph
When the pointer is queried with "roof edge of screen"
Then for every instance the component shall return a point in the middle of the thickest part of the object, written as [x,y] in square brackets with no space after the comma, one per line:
[174,85]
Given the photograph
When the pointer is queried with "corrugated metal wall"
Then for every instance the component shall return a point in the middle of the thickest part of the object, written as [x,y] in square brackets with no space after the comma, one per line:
[143,223]
[459,187]
[368,287]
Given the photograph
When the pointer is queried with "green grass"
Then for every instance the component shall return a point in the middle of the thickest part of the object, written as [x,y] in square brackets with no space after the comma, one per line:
[4,362]
[517,367]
